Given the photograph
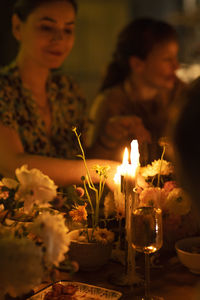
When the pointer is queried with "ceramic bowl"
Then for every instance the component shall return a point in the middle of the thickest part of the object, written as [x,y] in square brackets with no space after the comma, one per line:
[188,251]
[90,256]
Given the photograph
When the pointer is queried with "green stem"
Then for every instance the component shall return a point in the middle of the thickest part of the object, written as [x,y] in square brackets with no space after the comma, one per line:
[84,159]
[98,199]
[88,196]
[97,211]
[88,181]
[161,160]
[90,201]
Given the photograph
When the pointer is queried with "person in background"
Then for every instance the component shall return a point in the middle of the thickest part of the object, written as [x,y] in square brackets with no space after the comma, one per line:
[136,92]
[38,105]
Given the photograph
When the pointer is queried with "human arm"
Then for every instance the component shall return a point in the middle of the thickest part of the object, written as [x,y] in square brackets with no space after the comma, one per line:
[63,172]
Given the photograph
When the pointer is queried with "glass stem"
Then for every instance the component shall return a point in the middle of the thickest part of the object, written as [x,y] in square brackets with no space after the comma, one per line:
[147,276]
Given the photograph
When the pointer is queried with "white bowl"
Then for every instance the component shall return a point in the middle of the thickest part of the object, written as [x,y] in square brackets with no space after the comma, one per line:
[187,254]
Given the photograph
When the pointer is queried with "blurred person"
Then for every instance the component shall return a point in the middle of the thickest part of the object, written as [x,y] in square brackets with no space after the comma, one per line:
[38,106]
[136,92]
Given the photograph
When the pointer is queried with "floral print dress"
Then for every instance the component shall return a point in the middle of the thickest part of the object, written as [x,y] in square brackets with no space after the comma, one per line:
[19,111]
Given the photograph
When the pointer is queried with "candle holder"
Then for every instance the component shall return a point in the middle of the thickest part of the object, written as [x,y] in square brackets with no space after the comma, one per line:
[126,180]
[129,277]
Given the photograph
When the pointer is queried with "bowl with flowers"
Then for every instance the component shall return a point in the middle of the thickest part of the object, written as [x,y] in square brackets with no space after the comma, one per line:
[91,243]
[33,235]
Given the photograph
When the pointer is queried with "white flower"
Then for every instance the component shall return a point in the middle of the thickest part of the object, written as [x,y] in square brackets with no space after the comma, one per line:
[53,232]
[178,202]
[103,235]
[157,166]
[34,188]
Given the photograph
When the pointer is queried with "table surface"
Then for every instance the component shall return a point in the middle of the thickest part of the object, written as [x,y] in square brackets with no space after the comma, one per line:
[171,280]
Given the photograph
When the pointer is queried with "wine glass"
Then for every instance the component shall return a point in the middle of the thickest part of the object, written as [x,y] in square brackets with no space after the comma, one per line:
[147,236]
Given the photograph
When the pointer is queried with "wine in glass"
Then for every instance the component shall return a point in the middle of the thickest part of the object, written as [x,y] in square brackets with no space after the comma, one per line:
[147,237]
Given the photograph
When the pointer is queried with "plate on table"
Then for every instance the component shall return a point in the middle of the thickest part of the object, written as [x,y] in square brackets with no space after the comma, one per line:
[81,291]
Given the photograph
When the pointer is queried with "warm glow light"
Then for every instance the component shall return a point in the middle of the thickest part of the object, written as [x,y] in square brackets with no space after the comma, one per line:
[135,155]
[125,157]
[117,178]
[125,168]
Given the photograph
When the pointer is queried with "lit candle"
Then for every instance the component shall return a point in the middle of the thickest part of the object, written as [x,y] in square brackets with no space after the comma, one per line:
[135,156]
[125,182]
[129,170]
[131,181]
[126,173]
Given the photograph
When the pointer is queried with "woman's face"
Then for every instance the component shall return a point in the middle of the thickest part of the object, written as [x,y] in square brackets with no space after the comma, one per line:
[47,36]
[160,65]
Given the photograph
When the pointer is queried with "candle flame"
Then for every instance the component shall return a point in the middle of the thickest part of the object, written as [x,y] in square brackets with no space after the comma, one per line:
[125,157]
[135,155]
[125,168]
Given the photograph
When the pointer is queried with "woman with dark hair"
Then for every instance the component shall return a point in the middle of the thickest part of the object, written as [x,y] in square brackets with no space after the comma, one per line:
[38,106]
[135,94]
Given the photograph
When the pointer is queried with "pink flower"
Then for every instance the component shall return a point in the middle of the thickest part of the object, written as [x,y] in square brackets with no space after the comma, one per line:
[169,185]
[4,194]
[178,202]
[80,191]
[155,196]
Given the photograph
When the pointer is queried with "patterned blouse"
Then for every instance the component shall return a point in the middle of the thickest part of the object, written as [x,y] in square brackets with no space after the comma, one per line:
[19,111]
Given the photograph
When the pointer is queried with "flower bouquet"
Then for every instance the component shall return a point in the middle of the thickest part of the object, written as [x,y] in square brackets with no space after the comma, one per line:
[33,235]
[157,184]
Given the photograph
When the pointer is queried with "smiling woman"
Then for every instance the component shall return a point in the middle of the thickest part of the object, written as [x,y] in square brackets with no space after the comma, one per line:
[139,86]
[47,35]
[38,106]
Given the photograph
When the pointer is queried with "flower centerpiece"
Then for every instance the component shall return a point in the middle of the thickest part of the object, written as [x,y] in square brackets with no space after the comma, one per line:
[157,183]
[90,200]
[33,235]
[86,212]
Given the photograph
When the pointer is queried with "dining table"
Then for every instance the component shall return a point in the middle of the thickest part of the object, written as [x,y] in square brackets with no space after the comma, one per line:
[169,279]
